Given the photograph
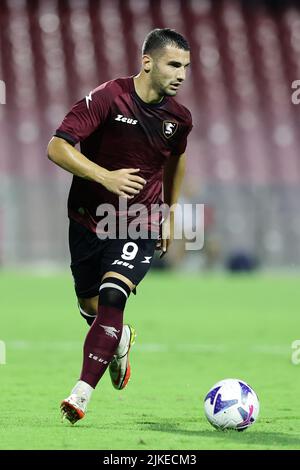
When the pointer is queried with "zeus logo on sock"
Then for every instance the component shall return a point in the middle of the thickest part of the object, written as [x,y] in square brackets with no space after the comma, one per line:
[110,331]
[98,359]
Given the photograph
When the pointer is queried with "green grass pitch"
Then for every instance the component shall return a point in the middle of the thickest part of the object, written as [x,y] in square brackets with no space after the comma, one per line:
[192,332]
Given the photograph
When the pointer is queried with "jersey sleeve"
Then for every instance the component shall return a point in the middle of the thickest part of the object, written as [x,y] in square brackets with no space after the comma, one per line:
[181,143]
[85,116]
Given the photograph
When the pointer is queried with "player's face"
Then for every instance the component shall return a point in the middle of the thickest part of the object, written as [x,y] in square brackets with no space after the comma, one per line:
[169,70]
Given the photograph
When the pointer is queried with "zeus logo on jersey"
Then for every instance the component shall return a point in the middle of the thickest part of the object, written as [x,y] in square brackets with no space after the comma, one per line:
[88,98]
[122,118]
[169,128]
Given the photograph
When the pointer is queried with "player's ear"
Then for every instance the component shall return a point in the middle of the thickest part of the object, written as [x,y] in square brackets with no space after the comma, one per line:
[147,63]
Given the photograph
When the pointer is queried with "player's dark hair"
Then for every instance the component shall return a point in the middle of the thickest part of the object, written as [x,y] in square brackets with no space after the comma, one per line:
[160,38]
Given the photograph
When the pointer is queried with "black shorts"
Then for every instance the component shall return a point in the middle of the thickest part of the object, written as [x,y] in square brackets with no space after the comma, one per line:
[92,257]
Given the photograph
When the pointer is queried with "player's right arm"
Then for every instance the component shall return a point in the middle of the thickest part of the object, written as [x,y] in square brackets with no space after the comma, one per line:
[122,182]
[82,120]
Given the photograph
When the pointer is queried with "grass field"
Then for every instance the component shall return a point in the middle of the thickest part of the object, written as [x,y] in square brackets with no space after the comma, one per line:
[192,332]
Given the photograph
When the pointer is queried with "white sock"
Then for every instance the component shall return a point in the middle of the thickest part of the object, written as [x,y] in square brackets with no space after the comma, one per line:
[123,344]
[82,389]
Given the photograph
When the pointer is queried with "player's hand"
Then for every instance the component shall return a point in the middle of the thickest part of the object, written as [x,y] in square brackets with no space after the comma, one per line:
[167,236]
[124,182]
[162,245]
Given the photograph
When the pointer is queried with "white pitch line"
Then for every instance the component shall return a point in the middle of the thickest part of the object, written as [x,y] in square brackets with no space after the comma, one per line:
[276,350]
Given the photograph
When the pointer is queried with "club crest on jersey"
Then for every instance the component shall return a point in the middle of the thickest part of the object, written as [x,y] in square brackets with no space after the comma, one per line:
[169,128]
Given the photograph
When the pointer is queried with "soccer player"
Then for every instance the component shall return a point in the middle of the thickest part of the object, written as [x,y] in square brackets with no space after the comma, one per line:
[132,136]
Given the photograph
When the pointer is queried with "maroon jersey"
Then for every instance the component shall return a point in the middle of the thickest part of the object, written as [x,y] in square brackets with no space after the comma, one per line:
[116,129]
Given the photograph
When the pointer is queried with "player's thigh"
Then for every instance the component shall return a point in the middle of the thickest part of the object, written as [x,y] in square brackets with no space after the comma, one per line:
[86,262]
[130,260]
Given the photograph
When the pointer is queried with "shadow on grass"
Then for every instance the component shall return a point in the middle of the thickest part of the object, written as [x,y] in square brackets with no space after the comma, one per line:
[249,437]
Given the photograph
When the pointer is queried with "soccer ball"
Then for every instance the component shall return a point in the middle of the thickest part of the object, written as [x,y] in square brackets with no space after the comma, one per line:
[231,404]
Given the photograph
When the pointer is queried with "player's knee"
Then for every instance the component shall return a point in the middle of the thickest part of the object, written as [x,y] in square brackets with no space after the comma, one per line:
[88,309]
[114,293]
[90,306]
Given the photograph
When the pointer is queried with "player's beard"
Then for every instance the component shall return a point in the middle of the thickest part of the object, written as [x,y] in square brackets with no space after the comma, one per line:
[164,90]
[171,92]
[161,86]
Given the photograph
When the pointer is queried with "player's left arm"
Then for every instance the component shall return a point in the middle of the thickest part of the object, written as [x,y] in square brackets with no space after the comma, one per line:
[174,171]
